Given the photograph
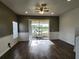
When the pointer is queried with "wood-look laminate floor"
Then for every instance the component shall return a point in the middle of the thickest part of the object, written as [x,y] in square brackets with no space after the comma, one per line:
[41,49]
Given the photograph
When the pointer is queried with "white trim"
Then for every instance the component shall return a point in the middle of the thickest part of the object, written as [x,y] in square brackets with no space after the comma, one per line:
[4,52]
[4,43]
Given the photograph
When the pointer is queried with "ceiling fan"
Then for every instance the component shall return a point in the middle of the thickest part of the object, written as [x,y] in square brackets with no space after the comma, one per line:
[41,8]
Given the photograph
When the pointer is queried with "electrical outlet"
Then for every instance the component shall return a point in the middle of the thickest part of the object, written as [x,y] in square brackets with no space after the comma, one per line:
[9,45]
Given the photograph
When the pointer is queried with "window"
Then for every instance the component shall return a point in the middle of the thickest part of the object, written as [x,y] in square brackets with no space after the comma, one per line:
[15,29]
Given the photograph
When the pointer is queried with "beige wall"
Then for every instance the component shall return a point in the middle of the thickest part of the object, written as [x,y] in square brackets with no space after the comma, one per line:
[68,23]
[6,18]
[24,23]
[69,28]
[24,26]
[6,36]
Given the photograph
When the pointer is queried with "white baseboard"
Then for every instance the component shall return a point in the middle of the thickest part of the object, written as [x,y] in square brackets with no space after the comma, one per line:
[4,52]
[4,43]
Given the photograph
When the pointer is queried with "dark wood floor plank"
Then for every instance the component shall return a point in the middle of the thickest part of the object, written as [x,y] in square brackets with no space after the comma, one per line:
[41,49]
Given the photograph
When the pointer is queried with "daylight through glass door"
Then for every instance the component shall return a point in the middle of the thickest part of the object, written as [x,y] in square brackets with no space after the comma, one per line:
[40,28]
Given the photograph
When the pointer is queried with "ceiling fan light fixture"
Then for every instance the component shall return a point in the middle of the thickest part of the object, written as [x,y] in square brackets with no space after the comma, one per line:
[41,12]
[41,8]
[52,13]
[43,4]
[68,0]
[26,12]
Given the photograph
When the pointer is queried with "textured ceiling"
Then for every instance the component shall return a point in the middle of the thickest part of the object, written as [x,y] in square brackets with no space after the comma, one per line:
[56,6]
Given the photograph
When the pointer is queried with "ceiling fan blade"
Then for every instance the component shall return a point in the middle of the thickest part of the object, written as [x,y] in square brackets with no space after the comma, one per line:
[46,10]
[44,4]
[45,7]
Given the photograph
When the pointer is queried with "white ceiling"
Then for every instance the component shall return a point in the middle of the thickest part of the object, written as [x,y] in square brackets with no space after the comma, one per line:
[56,6]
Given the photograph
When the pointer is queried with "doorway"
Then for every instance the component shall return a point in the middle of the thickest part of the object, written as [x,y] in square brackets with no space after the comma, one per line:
[39,29]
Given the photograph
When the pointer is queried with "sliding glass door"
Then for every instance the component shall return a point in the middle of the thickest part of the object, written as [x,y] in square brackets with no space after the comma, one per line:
[40,28]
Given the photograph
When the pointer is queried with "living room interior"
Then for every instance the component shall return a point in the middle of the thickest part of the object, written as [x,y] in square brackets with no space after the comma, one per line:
[39,29]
